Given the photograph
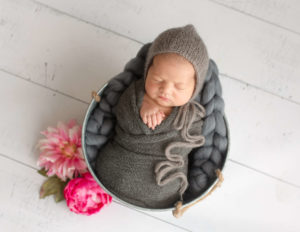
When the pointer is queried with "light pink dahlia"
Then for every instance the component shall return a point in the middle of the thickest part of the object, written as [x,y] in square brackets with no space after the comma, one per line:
[61,152]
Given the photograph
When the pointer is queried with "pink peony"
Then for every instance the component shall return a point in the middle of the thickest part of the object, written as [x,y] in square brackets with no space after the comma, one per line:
[84,196]
[61,151]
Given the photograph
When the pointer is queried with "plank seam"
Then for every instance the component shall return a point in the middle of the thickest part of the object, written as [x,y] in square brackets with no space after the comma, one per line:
[125,36]
[43,86]
[259,88]
[264,173]
[255,17]
[85,21]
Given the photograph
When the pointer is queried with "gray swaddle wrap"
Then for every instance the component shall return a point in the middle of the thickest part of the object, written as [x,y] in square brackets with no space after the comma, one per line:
[125,165]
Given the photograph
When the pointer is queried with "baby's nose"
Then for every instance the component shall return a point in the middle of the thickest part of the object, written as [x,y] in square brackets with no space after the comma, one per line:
[166,88]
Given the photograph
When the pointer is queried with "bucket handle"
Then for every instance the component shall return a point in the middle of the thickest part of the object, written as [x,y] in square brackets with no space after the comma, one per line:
[95,96]
[178,211]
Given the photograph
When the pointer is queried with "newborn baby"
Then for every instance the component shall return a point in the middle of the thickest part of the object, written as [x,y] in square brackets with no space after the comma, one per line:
[157,124]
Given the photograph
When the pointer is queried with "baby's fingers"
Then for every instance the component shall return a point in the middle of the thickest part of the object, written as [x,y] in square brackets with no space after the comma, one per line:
[145,118]
[149,121]
[154,121]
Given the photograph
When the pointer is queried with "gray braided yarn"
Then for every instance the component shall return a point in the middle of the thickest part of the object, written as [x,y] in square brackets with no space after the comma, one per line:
[203,161]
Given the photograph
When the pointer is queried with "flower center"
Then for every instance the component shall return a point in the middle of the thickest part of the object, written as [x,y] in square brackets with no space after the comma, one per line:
[68,149]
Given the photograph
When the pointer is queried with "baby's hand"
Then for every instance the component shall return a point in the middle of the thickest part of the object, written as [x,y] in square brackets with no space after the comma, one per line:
[151,113]
[152,119]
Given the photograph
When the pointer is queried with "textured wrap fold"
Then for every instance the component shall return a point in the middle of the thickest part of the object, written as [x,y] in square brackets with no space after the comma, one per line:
[126,165]
[183,122]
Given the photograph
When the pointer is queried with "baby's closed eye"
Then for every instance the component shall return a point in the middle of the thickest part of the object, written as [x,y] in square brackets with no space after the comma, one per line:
[180,87]
[157,80]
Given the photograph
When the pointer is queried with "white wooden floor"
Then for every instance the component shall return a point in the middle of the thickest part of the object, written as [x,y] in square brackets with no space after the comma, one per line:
[53,53]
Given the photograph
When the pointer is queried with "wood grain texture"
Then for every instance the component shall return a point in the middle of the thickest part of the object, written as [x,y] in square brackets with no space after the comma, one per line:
[281,13]
[264,130]
[246,201]
[30,109]
[59,52]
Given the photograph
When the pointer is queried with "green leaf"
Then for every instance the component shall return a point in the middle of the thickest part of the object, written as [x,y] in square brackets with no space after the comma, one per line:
[53,186]
[43,172]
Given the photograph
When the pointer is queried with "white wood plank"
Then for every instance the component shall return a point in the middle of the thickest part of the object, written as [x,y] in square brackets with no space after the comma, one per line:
[264,130]
[28,109]
[246,201]
[280,12]
[22,210]
[58,51]
[244,47]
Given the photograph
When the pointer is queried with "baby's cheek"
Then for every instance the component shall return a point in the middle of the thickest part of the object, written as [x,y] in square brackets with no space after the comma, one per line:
[151,88]
[181,99]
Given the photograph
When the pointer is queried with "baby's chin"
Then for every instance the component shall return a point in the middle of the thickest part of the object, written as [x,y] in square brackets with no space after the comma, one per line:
[165,103]
[169,103]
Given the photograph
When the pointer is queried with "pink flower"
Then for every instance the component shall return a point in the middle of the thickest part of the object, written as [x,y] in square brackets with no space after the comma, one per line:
[84,196]
[61,151]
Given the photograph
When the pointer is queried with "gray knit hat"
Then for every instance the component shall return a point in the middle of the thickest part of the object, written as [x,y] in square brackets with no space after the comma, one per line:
[186,42]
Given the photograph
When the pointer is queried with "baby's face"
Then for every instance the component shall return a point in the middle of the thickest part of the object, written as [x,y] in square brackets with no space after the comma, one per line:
[170,80]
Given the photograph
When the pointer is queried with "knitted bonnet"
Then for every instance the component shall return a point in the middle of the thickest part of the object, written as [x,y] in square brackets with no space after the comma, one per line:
[185,42]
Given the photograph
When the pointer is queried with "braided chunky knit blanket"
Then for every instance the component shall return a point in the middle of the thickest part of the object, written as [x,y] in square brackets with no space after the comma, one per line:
[202,162]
